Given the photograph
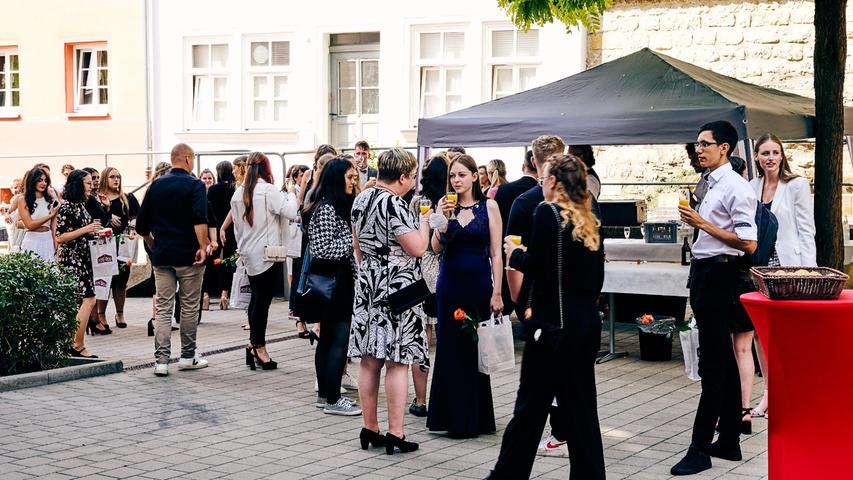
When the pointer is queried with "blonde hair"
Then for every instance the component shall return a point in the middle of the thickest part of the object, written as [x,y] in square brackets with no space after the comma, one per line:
[240,163]
[499,176]
[395,162]
[546,145]
[104,189]
[574,199]
[785,172]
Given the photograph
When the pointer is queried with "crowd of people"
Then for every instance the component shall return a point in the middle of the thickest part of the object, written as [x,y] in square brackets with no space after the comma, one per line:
[378,267]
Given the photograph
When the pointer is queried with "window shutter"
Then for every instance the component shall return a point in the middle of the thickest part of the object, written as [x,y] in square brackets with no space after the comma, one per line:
[502,43]
[281,53]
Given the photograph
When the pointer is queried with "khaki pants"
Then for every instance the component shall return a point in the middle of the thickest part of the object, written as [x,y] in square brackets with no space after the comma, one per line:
[166,281]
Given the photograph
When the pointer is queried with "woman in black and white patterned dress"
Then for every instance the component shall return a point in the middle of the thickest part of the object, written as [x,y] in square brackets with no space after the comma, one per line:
[74,228]
[381,217]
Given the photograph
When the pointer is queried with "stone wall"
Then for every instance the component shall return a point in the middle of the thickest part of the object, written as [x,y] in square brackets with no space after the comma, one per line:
[766,43]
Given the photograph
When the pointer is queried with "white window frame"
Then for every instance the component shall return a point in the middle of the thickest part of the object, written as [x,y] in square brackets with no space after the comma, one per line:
[91,108]
[421,65]
[10,111]
[213,73]
[271,71]
[515,62]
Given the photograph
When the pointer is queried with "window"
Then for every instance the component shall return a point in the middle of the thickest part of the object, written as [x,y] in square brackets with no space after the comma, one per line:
[209,77]
[440,64]
[91,78]
[513,57]
[10,82]
[268,68]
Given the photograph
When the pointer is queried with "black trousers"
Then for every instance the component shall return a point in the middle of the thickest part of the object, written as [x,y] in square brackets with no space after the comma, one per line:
[714,297]
[259,306]
[330,357]
[562,366]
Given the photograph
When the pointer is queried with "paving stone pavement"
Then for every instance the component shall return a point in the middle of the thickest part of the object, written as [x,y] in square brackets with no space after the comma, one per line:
[227,422]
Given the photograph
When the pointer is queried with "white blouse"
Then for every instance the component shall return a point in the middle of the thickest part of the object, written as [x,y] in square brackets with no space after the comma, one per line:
[271,211]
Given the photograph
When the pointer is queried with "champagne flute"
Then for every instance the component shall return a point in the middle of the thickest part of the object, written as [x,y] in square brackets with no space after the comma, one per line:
[425,204]
[683,201]
[452,198]
[627,232]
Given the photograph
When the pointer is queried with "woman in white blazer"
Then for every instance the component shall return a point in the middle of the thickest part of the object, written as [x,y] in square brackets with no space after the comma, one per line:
[260,212]
[789,198]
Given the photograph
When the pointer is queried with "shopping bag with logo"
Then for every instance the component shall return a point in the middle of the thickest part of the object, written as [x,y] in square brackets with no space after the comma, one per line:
[102,287]
[241,291]
[690,347]
[103,254]
[495,348]
[128,246]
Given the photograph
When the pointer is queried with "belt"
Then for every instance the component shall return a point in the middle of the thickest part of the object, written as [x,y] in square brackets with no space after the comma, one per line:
[718,259]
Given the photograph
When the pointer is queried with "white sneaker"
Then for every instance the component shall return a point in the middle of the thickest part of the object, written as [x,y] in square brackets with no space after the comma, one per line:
[348,382]
[192,363]
[317,387]
[161,369]
[551,447]
[344,406]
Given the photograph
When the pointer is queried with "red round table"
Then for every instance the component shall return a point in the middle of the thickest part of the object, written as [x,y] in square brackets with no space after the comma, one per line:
[810,390]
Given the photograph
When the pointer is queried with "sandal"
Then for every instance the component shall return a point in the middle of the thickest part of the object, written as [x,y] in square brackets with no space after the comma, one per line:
[121,324]
[301,333]
[79,353]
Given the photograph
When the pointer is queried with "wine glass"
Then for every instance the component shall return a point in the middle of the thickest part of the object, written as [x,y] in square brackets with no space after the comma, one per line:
[452,198]
[627,232]
[425,204]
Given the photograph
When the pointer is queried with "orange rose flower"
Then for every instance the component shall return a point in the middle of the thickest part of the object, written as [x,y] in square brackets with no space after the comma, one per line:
[217,261]
[129,262]
[459,314]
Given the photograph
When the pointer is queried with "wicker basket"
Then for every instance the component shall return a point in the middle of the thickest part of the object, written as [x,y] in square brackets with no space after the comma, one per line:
[828,286]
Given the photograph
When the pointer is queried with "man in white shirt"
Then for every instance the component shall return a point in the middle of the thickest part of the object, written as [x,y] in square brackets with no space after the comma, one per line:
[366,173]
[726,220]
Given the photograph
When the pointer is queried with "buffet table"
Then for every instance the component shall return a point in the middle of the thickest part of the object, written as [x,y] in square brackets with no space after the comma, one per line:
[643,278]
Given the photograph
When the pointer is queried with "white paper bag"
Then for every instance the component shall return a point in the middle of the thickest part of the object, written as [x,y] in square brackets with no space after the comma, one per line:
[495,348]
[293,240]
[241,291]
[103,255]
[128,246]
[102,287]
[690,349]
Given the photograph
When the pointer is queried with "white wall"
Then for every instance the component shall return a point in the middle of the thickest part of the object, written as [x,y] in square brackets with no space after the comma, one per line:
[308,25]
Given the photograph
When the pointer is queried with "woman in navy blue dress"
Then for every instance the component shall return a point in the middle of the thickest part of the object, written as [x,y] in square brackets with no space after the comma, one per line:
[469,278]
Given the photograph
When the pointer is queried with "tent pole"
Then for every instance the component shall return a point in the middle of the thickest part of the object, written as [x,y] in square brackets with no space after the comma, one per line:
[745,147]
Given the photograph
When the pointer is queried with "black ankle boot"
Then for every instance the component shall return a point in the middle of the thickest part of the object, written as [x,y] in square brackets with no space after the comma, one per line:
[725,450]
[694,462]
[392,441]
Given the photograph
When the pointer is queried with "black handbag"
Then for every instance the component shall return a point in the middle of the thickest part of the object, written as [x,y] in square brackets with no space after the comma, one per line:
[316,282]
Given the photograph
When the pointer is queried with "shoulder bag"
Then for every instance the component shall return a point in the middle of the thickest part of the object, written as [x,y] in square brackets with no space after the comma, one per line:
[275,253]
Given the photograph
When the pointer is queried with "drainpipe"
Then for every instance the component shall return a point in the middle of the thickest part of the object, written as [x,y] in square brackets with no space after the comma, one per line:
[148,126]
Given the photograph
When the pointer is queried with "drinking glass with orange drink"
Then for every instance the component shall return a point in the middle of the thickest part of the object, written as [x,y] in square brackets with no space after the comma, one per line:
[425,204]
[452,198]
[516,239]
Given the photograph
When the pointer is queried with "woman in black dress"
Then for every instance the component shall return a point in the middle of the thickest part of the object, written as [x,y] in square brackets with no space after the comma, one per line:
[219,197]
[74,227]
[97,212]
[122,210]
[561,323]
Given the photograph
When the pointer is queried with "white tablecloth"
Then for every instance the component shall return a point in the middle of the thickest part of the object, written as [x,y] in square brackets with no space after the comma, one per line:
[618,249]
[653,278]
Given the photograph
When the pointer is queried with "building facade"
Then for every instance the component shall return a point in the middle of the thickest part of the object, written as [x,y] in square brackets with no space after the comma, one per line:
[72,80]
[285,76]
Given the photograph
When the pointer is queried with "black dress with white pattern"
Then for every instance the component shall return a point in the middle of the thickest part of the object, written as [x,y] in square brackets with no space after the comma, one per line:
[378,217]
[74,255]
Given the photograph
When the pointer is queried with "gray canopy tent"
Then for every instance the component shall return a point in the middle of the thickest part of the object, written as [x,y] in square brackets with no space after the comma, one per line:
[642,98]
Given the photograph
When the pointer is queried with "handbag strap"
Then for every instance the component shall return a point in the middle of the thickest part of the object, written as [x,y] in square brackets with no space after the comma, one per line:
[559,266]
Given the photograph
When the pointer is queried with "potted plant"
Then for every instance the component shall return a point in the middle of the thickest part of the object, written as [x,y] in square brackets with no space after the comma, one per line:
[38,308]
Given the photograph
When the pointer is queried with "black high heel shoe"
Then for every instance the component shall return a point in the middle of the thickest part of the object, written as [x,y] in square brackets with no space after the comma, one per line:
[746,421]
[369,437]
[313,337]
[268,365]
[392,441]
[99,331]
[250,359]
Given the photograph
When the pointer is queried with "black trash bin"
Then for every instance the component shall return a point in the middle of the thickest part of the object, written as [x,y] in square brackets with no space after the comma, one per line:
[656,338]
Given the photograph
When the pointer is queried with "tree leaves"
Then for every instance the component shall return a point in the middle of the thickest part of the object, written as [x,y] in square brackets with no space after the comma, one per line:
[572,13]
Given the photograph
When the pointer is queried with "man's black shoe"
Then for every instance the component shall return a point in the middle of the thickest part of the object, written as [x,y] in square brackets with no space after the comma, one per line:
[726,451]
[694,462]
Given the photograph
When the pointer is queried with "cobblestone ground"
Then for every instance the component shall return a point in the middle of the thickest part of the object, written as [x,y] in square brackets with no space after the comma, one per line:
[228,422]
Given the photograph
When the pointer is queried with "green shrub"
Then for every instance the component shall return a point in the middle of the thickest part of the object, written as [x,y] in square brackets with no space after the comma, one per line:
[38,309]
